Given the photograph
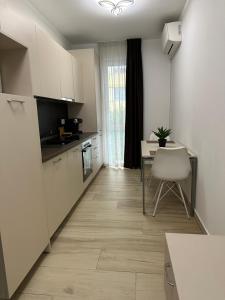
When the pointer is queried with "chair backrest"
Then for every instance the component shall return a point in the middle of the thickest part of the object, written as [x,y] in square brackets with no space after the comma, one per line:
[154,138]
[171,164]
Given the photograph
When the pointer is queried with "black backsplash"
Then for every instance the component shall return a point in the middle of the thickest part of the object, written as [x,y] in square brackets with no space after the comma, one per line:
[49,111]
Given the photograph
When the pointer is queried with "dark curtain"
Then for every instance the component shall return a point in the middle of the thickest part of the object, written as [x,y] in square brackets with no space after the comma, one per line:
[134,105]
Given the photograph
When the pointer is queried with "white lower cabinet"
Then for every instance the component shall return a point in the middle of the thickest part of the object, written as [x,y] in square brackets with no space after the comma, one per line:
[56,191]
[75,174]
[63,181]
[23,219]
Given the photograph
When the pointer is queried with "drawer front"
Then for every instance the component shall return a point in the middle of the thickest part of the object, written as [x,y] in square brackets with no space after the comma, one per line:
[169,279]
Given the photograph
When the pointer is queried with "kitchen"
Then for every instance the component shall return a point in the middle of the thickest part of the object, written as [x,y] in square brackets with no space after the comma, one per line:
[34,70]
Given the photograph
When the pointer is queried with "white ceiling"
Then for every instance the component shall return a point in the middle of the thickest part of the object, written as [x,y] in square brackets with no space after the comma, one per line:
[84,21]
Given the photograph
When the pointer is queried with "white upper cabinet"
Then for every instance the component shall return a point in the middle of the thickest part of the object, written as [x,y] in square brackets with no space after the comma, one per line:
[2,3]
[66,73]
[49,57]
[77,81]
[16,27]
[88,63]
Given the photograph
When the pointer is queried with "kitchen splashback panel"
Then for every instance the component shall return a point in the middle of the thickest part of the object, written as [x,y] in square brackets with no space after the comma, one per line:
[49,111]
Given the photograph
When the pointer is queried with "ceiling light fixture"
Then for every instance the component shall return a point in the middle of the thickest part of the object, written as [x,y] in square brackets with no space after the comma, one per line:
[116,7]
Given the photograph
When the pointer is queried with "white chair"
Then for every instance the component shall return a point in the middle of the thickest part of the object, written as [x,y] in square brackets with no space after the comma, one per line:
[171,165]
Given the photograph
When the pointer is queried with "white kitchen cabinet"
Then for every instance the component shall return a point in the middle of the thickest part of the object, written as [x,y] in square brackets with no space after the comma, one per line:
[2,6]
[75,174]
[90,112]
[66,74]
[77,81]
[56,191]
[194,267]
[23,220]
[49,54]
[17,27]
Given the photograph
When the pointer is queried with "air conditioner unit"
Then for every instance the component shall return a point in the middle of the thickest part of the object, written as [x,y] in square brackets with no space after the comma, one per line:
[171,38]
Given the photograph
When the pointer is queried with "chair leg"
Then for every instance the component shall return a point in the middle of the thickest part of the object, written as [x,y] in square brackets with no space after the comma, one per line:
[183,200]
[156,192]
[158,198]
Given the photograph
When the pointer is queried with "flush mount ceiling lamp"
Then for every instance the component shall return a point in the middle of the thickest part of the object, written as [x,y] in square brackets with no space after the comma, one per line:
[116,7]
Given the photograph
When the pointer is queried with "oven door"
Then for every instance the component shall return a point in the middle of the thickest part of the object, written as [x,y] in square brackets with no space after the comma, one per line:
[87,161]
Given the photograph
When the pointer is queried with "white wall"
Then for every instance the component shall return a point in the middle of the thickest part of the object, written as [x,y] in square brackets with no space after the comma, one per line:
[198,103]
[156,67]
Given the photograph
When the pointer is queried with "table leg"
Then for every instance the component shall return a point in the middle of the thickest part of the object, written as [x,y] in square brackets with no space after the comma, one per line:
[143,183]
[194,164]
[141,169]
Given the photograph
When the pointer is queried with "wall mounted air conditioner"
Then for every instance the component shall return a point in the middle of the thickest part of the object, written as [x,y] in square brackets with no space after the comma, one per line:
[171,38]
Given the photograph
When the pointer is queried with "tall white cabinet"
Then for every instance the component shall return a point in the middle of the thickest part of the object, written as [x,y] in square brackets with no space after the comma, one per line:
[91,111]
[23,218]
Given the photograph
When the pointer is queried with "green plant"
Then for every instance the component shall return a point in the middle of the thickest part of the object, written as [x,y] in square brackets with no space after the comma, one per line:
[162,133]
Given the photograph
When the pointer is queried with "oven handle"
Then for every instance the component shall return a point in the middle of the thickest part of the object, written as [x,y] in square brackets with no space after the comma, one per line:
[85,149]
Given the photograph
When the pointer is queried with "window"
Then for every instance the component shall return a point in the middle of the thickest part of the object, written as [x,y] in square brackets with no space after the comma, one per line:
[113,82]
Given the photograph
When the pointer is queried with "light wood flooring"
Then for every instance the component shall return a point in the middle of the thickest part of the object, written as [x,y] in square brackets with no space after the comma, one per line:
[108,250]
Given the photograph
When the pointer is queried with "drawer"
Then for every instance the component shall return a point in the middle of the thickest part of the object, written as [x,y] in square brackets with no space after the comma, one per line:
[169,279]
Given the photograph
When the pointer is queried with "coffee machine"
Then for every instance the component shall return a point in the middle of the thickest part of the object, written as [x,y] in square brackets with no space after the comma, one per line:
[73,125]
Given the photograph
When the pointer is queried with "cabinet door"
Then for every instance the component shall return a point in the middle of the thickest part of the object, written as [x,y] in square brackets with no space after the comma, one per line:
[56,191]
[23,220]
[77,81]
[49,65]
[17,27]
[75,174]
[66,72]
[98,94]
[2,7]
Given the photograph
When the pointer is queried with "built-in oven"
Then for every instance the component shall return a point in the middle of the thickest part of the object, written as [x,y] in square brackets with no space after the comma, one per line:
[87,159]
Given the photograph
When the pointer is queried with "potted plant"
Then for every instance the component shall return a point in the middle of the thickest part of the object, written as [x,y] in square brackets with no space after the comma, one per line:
[162,134]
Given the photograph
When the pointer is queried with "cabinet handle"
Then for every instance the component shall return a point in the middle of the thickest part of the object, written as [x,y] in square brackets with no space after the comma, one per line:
[56,161]
[167,266]
[15,100]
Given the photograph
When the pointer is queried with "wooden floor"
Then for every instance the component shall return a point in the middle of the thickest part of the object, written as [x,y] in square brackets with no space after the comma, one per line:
[108,250]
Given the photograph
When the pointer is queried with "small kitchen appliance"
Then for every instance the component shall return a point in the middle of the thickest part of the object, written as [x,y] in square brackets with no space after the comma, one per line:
[73,125]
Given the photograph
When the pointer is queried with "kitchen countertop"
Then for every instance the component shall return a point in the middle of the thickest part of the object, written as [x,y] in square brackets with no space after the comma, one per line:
[49,152]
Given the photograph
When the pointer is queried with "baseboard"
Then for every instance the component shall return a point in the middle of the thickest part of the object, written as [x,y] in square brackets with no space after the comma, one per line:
[200,223]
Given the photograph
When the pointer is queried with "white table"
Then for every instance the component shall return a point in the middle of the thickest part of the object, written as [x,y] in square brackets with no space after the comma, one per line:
[148,151]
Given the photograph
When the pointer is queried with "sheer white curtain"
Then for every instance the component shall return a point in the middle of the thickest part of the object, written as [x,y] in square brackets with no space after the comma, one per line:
[113,87]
